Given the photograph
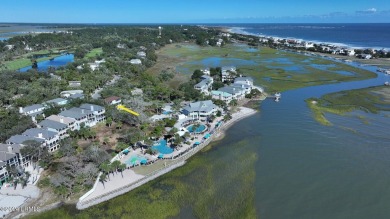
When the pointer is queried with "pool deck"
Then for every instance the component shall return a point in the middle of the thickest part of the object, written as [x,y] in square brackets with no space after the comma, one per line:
[132,177]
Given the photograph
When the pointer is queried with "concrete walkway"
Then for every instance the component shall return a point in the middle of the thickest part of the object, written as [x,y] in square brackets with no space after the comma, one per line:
[115,182]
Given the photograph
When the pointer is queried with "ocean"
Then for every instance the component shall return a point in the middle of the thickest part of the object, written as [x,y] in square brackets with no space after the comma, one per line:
[352,35]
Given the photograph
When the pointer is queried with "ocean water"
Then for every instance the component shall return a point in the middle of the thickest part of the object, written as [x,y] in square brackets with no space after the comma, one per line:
[353,35]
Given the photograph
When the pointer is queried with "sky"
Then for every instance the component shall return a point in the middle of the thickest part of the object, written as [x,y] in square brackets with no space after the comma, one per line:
[191,11]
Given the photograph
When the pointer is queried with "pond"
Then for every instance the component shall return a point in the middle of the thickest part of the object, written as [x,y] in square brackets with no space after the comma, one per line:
[56,62]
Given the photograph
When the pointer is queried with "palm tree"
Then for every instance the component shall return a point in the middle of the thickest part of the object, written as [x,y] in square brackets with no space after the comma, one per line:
[122,167]
[106,167]
[115,165]
[102,179]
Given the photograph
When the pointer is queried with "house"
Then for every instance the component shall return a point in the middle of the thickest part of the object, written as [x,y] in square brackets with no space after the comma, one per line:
[228,73]
[76,96]
[220,95]
[74,83]
[136,62]
[55,126]
[365,56]
[141,54]
[246,88]
[200,110]
[99,112]
[22,139]
[219,42]
[24,161]
[51,139]
[120,46]
[244,81]
[68,93]
[79,116]
[7,158]
[113,100]
[205,71]
[9,47]
[57,102]
[32,110]
[205,84]
[236,92]
[350,52]
[69,122]
[27,48]
[308,45]
[96,64]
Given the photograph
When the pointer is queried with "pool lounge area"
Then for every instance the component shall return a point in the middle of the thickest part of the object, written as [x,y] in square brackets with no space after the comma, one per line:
[136,160]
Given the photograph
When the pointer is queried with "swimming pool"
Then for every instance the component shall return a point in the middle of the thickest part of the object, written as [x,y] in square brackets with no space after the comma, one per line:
[136,159]
[200,129]
[163,148]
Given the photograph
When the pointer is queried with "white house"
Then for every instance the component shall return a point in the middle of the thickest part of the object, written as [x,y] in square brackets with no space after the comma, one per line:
[244,80]
[237,93]
[308,45]
[200,110]
[350,52]
[51,139]
[57,102]
[69,122]
[98,112]
[220,95]
[205,71]
[32,110]
[141,54]
[136,62]
[205,84]
[228,73]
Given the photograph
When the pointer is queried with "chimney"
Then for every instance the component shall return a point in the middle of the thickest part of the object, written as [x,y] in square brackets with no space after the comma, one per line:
[10,149]
[82,111]
[20,109]
[40,135]
[61,120]
[91,108]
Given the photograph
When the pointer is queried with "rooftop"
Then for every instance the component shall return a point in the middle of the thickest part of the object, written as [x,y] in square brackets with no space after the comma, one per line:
[49,123]
[4,156]
[20,139]
[61,119]
[35,132]
[15,147]
[56,100]
[243,79]
[206,105]
[91,107]
[32,107]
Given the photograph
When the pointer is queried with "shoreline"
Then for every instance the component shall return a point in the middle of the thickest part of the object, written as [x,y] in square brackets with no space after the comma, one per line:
[241,31]
[219,134]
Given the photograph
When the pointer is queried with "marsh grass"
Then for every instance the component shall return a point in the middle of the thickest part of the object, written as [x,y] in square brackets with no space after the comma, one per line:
[217,183]
[369,100]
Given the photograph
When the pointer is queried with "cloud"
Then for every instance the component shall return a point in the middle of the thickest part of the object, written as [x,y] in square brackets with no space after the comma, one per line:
[367,11]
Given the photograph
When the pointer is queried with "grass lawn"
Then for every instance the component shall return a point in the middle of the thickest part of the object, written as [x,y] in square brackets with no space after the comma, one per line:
[93,53]
[25,60]
[275,70]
